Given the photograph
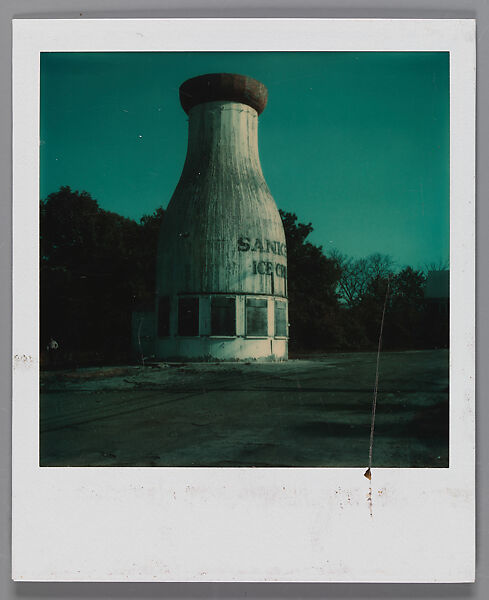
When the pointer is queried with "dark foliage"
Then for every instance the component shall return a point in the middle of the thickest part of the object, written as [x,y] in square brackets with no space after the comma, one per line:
[97,267]
[336,302]
[312,281]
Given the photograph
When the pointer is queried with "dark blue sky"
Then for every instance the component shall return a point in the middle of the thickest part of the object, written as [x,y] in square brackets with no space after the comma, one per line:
[355,142]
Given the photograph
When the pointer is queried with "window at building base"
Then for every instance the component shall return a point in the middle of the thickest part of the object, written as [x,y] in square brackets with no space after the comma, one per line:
[280,318]
[223,315]
[256,317]
[188,316]
[164,316]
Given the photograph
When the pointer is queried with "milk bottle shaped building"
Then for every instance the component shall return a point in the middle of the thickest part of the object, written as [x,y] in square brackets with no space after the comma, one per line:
[221,284]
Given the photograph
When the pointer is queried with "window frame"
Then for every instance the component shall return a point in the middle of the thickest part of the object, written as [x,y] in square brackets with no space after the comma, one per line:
[285,303]
[183,298]
[220,335]
[256,335]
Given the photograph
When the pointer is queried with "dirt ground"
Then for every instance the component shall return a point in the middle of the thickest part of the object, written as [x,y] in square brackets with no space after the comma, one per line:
[302,413]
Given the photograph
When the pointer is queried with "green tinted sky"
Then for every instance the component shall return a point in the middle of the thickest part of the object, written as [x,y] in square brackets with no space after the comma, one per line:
[355,142]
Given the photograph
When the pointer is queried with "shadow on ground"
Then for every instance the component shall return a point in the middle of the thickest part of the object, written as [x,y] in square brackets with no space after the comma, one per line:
[302,413]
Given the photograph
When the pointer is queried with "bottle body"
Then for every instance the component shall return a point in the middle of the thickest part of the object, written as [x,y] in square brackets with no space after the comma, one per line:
[222,265]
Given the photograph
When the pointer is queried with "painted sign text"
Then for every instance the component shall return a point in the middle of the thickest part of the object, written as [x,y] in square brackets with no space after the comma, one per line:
[246,244]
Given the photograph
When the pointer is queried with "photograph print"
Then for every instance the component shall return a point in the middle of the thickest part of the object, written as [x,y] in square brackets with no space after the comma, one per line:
[244,259]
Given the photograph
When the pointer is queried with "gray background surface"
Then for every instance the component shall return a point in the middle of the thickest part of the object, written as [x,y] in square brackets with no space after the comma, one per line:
[420,9]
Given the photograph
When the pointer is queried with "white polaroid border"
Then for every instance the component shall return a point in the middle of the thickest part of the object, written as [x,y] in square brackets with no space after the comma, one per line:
[242,524]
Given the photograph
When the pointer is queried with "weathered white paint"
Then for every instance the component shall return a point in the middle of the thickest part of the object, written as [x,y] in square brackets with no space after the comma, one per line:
[208,347]
[205,348]
[221,205]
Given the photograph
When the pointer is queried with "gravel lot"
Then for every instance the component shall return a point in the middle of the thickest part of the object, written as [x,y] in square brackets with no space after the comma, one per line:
[312,412]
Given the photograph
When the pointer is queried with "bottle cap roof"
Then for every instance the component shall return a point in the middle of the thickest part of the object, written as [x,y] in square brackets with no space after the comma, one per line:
[223,86]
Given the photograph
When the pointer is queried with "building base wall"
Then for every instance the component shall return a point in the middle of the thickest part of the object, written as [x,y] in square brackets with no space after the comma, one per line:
[208,349]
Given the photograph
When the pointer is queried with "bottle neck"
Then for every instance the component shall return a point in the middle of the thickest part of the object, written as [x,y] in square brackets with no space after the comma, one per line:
[223,135]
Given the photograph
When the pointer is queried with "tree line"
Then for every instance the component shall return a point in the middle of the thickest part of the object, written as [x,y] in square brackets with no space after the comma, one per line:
[97,267]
